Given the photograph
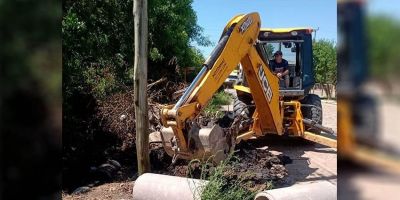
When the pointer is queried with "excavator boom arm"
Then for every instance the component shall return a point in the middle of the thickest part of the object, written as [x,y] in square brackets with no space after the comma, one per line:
[237,45]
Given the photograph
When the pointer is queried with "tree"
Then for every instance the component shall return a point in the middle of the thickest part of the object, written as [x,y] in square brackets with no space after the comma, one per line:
[270,49]
[382,36]
[98,43]
[324,56]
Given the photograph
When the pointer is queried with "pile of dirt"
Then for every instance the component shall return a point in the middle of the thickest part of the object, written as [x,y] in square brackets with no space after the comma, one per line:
[258,168]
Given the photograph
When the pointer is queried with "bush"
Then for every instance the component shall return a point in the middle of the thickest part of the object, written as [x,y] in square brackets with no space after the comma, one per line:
[219,99]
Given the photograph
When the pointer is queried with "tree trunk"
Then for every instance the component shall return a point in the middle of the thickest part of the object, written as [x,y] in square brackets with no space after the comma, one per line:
[328,90]
[140,85]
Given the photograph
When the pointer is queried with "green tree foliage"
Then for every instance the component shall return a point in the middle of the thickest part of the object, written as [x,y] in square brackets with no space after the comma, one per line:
[172,27]
[324,56]
[98,43]
[270,50]
[383,48]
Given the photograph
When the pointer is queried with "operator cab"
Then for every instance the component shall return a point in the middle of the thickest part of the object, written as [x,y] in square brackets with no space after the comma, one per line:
[296,46]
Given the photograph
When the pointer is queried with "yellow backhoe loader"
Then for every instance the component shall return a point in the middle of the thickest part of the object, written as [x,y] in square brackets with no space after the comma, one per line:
[261,106]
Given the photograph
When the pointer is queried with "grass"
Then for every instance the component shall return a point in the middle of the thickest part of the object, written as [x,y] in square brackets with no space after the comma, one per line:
[219,99]
[221,186]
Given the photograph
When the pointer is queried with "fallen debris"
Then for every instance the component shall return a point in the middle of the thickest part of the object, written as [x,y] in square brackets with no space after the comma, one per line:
[116,113]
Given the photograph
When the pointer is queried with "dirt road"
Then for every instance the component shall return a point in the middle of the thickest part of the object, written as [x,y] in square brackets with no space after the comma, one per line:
[329,114]
[310,161]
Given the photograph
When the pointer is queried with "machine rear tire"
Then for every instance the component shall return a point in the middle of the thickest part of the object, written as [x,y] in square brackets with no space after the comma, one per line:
[241,109]
[313,110]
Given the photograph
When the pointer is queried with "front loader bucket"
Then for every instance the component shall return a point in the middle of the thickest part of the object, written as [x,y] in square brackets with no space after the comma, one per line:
[155,186]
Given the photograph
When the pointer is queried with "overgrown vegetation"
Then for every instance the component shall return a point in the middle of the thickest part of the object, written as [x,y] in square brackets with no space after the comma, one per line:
[219,99]
[221,186]
[224,181]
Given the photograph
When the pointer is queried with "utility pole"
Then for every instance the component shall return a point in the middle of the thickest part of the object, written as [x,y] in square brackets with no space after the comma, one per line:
[140,85]
[315,33]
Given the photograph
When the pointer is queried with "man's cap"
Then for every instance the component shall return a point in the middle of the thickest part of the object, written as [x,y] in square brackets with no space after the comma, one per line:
[278,53]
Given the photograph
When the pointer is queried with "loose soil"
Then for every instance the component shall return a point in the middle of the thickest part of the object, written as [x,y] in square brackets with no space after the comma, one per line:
[256,167]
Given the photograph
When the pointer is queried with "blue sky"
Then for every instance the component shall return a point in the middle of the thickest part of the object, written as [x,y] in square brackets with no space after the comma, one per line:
[388,7]
[213,15]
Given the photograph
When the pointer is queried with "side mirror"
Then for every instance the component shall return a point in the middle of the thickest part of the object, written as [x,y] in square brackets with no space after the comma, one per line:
[287,44]
[293,49]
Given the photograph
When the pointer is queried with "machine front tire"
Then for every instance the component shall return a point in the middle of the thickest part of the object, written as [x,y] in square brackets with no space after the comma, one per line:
[366,119]
[240,108]
[312,110]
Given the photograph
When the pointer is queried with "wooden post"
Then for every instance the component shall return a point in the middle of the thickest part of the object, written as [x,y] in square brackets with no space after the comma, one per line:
[140,85]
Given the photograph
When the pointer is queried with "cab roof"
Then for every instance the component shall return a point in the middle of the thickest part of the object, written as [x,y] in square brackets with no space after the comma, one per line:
[266,34]
[287,30]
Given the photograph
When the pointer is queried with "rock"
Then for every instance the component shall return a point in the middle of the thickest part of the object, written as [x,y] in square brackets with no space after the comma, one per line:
[285,159]
[81,190]
[243,165]
[93,169]
[115,164]
[122,117]
[105,172]
[274,160]
[107,167]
